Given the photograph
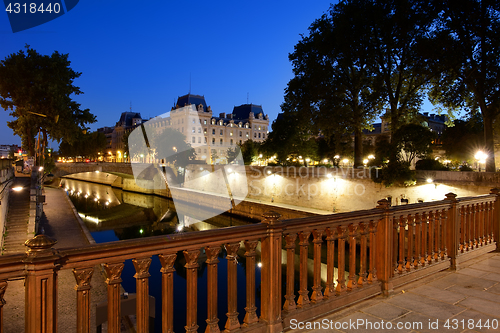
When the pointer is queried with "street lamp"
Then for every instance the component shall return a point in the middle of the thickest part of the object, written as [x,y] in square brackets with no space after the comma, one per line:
[481,158]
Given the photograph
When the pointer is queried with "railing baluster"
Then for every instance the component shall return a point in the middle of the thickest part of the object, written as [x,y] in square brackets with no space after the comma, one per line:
[489,222]
[232,322]
[463,228]
[191,266]
[423,253]
[251,309]
[290,272]
[437,235]
[82,277]
[317,295]
[330,263]
[167,300]
[409,259]
[212,319]
[351,284]
[486,222]
[475,224]
[395,237]
[141,276]
[418,240]
[342,235]
[443,221]
[401,262]
[113,273]
[3,288]
[482,216]
[303,292]
[363,231]
[372,272]
[430,228]
[470,230]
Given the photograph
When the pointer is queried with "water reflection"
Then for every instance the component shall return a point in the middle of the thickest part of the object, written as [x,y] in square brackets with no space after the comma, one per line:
[134,215]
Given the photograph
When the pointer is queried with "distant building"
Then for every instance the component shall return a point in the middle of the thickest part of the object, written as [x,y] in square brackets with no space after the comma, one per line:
[6,149]
[213,135]
[114,136]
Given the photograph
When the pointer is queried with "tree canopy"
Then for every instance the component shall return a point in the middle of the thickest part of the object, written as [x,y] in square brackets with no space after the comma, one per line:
[38,91]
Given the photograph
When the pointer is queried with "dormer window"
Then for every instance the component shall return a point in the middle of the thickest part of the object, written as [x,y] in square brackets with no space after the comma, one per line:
[213,121]
[221,123]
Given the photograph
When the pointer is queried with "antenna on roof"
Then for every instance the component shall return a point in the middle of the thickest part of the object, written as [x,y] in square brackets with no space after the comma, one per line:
[247,97]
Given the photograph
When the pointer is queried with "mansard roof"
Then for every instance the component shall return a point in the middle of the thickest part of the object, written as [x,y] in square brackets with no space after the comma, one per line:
[243,111]
[126,118]
[191,99]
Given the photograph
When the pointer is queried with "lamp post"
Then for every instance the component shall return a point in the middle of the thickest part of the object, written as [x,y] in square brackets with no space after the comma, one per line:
[481,159]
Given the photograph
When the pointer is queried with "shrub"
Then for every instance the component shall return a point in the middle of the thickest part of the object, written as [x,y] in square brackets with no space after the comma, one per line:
[465,167]
[430,164]
[396,173]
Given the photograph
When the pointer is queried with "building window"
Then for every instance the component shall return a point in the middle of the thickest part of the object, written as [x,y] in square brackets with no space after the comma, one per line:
[247,134]
[259,135]
[231,125]
[241,133]
[204,122]
[205,140]
[213,141]
[213,131]
[231,134]
[221,132]
[231,142]
[221,123]
[239,124]
[193,121]
[193,140]
[259,128]
[194,130]
[255,135]
[241,142]
[199,139]
[199,129]
[213,121]
[182,129]
[263,136]
[205,130]
[221,141]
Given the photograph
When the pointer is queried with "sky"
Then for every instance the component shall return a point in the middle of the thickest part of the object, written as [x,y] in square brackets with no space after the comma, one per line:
[145,54]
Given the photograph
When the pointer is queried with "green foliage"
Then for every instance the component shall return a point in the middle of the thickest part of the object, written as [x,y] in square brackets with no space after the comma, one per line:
[87,145]
[171,140]
[232,154]
[466,54]
[396,173]
[249,151]
[413,140]
[38,89]
[465,167]
[430,164]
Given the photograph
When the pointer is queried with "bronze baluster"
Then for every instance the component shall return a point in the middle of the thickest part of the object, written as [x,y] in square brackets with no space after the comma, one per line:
[342,235]
[167,286]
[430,229]
[363,231]
[423,253]
[303,292]
[212,319]
[142,297]
[290,272]
[82,277]
[191,266]
[330,263]
[232,322]
[418,240]
[351,283]
[463,228]
[317,295]
[250,309]
[409,259]
[372,272]
[444,222]
[113,273]
[402,224]
[395,237]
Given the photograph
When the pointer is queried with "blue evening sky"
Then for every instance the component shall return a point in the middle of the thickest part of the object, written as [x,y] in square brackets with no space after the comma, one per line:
[145,52]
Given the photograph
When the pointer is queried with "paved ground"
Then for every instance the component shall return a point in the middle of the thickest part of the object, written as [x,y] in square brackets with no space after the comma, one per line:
[462,301]
[60,223]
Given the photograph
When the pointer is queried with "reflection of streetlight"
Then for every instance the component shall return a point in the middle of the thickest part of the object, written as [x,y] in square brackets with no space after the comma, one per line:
[17,188]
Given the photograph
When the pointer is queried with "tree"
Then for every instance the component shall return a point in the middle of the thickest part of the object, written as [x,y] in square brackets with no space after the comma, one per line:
[290,138]
[412,141]
[249,151]
[462,140]
[468,48]
[334,83]
[37,89]
[88,145]
[170,145]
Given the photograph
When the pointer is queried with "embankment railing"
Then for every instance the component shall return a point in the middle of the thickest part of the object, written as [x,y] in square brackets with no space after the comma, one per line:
[342,259]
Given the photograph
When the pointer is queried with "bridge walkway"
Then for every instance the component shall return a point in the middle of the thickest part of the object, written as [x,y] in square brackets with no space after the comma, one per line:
[460,301]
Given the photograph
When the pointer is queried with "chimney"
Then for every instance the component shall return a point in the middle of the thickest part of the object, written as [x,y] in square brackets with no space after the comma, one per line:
[222,115]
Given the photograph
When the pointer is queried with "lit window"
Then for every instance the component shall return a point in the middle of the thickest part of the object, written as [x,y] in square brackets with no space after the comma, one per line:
[259,128]
[205,122]
[231,134]
[247,135]
[205,130]
[213,121]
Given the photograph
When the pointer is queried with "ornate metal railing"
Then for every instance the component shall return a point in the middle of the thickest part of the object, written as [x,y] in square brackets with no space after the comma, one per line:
[364,253]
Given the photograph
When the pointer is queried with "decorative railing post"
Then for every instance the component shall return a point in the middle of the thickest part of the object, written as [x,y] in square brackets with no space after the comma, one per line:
[191,266]
[290,272]
[113,273]
[167,300]
[41,285]
[453,226]
[271,273]
[212,260]
[232,322]
[496,217]
[251,314]
[317,295]
[384,246]
[141,276]
[83,277]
